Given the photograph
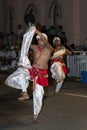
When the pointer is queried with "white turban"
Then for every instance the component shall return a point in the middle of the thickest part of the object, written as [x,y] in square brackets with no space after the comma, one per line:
[56,38]
[38,37]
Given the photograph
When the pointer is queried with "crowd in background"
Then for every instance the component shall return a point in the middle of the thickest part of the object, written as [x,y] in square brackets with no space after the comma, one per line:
[10,44]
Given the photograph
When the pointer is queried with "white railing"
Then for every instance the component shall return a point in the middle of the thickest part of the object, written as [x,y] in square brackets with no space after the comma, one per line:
[76,64]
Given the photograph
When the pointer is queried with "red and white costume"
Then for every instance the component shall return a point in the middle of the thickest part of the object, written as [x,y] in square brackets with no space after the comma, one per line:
[20,78]
[58,68]
[40,80]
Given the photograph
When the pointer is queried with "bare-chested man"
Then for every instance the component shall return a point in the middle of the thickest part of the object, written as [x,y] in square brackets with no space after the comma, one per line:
[39,71]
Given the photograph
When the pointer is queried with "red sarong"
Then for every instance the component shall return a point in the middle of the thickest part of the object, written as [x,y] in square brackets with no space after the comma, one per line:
[65,70]
[41,74]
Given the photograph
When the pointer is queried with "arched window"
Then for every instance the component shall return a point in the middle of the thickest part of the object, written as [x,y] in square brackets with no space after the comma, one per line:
[55,13]
[30,14]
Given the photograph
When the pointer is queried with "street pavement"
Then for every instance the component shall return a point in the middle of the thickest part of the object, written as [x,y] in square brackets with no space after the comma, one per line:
[66,110]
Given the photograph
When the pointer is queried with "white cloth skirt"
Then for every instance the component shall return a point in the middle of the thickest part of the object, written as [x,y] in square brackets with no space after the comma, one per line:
[57,71]
[38,94]
[18,79]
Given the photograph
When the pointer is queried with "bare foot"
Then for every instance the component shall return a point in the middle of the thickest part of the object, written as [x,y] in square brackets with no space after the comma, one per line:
[24,97]
[36,120]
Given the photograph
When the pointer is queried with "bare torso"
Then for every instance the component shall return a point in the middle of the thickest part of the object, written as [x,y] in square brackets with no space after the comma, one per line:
[41,58]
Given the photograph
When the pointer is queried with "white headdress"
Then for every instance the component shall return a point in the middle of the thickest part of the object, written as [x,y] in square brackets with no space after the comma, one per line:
[38,37]
[56,38]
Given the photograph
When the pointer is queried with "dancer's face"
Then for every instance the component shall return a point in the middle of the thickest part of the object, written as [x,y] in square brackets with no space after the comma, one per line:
[57,43]
[40,42]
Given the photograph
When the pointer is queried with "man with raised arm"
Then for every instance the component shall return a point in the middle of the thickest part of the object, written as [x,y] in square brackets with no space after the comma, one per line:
[39,71]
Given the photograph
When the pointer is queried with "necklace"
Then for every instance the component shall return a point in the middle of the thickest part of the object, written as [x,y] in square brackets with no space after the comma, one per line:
[40,48]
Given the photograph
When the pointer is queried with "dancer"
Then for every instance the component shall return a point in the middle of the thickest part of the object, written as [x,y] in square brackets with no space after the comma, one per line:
[39,71]
[58,67]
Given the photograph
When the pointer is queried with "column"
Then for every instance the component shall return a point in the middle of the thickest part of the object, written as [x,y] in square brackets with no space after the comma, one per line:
[76,22]
[1,15]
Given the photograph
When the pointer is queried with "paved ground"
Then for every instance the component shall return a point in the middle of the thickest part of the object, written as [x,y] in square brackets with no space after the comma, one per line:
[66,111]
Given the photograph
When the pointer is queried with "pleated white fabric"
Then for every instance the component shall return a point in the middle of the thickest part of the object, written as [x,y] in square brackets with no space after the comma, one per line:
[57,71]
[20,78]
[58,86]
[27,38]
[38,94]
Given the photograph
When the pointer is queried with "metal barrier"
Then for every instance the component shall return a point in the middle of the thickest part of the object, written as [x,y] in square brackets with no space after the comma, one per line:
[76,64]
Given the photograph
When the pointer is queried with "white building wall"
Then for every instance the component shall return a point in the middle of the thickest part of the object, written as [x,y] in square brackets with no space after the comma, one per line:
[1,15]
[67,18]
[76,21]
[83,22]
[73,18]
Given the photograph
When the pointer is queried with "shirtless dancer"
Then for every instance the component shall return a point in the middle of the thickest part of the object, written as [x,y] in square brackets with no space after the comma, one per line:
[39,71]
[58,67]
